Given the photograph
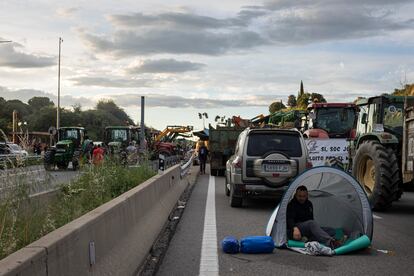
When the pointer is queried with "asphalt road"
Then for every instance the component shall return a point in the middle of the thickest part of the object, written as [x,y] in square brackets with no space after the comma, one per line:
[391,252]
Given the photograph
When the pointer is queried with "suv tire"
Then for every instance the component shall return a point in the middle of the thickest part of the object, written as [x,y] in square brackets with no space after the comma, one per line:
[226,190]
[235,201]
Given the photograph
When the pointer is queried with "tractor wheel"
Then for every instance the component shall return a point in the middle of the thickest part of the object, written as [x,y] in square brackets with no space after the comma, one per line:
[75,160]
[49,160]
[376,169]
[62,165]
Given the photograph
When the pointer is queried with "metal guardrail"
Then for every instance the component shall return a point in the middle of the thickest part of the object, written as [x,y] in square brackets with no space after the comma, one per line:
[187,165]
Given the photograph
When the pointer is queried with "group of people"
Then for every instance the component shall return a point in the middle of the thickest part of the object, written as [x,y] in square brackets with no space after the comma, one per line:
[92,154]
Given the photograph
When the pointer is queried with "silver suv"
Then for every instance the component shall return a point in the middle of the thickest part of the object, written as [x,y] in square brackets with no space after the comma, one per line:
[264,162]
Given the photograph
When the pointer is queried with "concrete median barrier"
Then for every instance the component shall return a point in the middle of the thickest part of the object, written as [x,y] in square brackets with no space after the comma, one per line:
[113,239]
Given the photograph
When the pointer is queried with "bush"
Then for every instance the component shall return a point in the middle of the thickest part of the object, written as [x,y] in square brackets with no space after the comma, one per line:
[24,219]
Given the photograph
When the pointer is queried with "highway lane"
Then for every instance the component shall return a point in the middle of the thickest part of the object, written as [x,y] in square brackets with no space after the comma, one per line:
[391,252]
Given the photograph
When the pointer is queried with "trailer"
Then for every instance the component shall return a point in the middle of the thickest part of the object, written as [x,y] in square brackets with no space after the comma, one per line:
[222,142]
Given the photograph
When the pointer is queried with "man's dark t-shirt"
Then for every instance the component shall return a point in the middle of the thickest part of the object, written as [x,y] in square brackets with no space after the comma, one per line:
[297,213]
[202,153]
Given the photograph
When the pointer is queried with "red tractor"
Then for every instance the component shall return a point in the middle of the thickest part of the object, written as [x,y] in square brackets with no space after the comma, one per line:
[331,120]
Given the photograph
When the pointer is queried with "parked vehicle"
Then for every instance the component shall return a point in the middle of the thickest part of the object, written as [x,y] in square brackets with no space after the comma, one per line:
[264,162]
[7,148]
[383,128]
[66,150]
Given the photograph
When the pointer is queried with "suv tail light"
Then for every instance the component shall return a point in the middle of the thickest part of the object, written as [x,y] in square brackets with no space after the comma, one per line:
[238,164]
[308,164]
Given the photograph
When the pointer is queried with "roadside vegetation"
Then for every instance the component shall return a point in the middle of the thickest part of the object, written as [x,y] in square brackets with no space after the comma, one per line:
[24,219]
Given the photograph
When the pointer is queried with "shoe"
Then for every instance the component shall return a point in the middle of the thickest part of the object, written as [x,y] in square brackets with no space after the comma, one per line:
[335,244]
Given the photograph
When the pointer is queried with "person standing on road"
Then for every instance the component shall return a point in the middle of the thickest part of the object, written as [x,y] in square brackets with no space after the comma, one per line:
[300,221]
[202,156]
[98,155]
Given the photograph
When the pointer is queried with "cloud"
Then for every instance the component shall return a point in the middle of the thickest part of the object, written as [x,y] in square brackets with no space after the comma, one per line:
[165,66]
[172,41]
[110,82]
[185,20]
[12,56]
[176,19]
[286,4]
[306,21]
[278,22]
[158,100]
[67,12]
[25,95]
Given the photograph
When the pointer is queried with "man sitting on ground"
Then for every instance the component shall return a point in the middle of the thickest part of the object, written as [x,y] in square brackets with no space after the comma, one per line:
[300,221]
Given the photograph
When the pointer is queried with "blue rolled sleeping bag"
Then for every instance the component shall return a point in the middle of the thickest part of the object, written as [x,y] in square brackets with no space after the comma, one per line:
[230,245]
[257,244]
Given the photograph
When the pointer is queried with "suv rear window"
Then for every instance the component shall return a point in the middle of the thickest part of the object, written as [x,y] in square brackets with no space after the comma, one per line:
[261,143]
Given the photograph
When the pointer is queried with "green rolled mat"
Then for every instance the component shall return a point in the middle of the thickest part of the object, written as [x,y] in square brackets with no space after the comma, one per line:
[360,243]
[339,233]
[293,243]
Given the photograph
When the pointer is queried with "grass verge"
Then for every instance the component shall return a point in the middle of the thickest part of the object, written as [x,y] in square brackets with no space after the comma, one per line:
[24,219]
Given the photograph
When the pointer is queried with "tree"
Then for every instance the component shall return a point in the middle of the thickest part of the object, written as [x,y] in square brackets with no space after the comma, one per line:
[112,108]
[292,101]
[407,89]
[316,97]
[276,106]
[303,100]
[36,103]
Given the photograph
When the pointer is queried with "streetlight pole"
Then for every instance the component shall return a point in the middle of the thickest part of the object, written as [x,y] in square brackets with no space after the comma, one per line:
[58,106]
[203,116]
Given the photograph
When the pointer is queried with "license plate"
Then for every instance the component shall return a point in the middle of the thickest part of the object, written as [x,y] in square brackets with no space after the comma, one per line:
[275,168]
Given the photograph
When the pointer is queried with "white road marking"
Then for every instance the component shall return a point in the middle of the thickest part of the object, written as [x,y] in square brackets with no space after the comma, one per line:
[209,257]
[376,217]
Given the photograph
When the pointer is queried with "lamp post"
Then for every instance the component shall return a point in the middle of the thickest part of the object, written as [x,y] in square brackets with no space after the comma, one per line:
[58,107]
[203,116]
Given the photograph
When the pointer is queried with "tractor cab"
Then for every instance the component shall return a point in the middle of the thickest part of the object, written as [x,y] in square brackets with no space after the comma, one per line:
[383,114]
[119,137]
[74,135]
[331,120]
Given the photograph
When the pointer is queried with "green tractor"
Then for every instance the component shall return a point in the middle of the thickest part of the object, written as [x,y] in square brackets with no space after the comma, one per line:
[117,138]
[377,150]
[66,150]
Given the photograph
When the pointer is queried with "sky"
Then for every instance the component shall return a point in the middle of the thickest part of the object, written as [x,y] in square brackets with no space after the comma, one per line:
[223,58]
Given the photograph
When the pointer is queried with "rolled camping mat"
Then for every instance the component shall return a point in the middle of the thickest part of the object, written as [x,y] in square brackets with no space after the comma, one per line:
[357,244]
[293,243]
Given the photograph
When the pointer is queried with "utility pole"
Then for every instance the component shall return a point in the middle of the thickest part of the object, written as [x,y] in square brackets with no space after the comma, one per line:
[58,106]
[142,140]
[14,126]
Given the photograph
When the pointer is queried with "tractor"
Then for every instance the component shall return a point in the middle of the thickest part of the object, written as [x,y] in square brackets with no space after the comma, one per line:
[119,137]
[67,149]
[377,150]
[331,120]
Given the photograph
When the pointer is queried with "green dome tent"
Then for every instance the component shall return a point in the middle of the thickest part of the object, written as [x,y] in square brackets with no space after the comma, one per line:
[338,202]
